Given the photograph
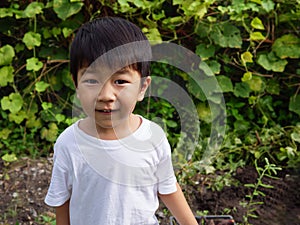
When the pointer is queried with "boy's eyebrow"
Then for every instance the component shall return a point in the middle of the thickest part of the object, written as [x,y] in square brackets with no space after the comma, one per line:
[121,71]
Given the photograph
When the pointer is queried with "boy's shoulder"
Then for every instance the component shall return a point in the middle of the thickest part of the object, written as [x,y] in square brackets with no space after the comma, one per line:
[68,134]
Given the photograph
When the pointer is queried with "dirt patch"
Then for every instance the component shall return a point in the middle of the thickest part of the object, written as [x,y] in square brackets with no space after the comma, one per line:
[23,186]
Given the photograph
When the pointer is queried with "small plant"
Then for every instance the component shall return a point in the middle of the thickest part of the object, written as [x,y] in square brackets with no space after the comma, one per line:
[251,203]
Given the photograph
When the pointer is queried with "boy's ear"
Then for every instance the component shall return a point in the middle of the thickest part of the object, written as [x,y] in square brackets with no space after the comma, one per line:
[145,84]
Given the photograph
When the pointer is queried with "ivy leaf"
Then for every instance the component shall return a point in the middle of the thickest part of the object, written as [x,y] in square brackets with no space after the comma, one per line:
[4,133]
[257,24]
[205,51]
[32,39]
[33,9]
[13,102]
[255,84]
[256,36]
[296,136]
[6,75]
[204,112]
[6,12]
[287,46]
[67,32]
[65,8]
[226,35]
[51,133]
[41,86]
[271,62]
[33,64]
[153,34]
[214,66]
[17,117]
[294,104]
[7,54]
[47,105]
[273,87]
[225,83]
[9,158]
[246,57]
[268,5]
[247,76]
[242,90]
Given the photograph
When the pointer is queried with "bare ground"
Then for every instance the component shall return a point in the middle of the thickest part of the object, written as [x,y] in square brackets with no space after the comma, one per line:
[23,185]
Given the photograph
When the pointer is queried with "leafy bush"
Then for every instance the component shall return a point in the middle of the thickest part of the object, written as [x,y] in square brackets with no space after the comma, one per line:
[252,47]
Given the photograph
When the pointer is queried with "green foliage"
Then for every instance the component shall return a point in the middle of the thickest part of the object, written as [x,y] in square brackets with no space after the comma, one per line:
[251,47]
[270,171]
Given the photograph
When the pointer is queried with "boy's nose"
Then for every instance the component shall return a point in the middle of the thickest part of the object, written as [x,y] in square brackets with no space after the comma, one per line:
[107,93]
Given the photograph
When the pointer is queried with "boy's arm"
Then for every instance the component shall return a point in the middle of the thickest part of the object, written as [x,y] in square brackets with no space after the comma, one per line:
[179,207]
[62,214]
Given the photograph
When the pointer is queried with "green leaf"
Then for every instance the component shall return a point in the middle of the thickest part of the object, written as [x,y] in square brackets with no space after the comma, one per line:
[287,46]
[246,57]
[256,36]
[204,112]
[153,34]
[205,51]
[60,117]
[18,117]
[67,32]
[225,83]
[7,54]
[47,105]
[33,64]
[33,9]
[242,90]
[6,12]
[273,87]
[6,75]
[51,133]
[9,157]
[214,66]
[65,8]
[41,86]
[32,39]
[257,24]
[294,104]
[256,84]
[268,5]
[13,102]
[271,62]
[226,35]
[247,76]
[4,133]
[296,136]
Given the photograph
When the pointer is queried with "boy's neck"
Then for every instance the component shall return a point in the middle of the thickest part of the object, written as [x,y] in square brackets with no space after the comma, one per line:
[125,129]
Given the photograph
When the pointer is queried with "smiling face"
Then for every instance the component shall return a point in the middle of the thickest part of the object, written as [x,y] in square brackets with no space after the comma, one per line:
[109,101]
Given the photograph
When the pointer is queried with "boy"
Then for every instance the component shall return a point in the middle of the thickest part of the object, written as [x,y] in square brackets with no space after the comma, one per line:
[111,167]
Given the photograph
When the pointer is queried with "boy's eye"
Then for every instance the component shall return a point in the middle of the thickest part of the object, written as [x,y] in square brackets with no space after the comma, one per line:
[121,82]
[90,81]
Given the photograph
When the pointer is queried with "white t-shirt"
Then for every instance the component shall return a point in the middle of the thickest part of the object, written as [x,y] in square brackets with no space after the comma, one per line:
[111,182]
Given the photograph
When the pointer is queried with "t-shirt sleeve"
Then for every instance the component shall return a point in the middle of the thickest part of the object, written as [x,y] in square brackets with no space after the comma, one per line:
[61,181]
[165,171]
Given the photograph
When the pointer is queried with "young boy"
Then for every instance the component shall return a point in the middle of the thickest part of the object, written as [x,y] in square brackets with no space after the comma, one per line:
[111,167]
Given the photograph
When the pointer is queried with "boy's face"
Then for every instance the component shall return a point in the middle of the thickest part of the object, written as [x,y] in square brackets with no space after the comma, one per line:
[110,100]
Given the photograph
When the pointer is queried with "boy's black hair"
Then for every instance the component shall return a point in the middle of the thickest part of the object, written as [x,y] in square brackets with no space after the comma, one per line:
[101,35]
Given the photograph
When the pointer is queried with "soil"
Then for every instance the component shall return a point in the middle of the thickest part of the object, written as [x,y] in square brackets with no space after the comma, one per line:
[23,185]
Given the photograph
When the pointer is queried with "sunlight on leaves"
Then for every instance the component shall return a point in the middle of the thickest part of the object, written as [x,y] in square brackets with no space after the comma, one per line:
[7,54]
[13,102]
[287,46]
[257,24]
[32,39]
[33,64]
[6,75]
